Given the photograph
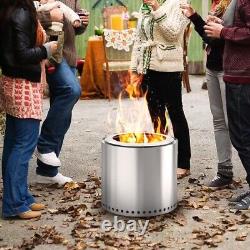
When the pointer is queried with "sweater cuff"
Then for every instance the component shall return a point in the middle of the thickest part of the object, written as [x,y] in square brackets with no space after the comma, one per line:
[223,33]
[159,14]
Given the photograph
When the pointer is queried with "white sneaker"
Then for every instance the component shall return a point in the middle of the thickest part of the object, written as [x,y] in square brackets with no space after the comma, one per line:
[49,159]
[59,179]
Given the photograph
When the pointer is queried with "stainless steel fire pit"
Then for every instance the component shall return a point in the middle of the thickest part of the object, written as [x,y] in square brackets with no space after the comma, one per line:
[139,179]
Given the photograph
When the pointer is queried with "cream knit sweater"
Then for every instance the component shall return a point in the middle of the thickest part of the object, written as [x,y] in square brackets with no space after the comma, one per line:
[159,39]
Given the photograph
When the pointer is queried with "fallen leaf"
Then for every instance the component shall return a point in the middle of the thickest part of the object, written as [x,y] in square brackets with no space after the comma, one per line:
[53,211]
[241,237]
[197,218]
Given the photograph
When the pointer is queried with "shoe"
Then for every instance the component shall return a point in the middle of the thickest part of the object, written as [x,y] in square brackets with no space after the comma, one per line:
[29,215]
[204,86]
[59,179]
[239,197]
[219,182]
[244,204]
[181,173]
[37,207]
[49,159]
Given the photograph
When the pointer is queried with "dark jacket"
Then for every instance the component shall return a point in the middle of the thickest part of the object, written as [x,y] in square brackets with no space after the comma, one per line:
[19,56]
[215,47]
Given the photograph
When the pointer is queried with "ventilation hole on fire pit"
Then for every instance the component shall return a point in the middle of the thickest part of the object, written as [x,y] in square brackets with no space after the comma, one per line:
[155,211]
[113,209]
[164,209]
[132,212]
[159,210]
[138,212]
[144,212]
[127,212]
[122,211]
[117,210]
[149,212]
[168,208]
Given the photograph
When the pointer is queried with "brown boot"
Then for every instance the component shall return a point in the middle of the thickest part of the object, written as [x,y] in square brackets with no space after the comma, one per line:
[29,215]
[37,207]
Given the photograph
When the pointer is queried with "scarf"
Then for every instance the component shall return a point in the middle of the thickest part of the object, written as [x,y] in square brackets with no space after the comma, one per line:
[228,17]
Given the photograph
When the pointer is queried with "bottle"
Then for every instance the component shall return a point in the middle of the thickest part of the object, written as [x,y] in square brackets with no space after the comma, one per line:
[145,8]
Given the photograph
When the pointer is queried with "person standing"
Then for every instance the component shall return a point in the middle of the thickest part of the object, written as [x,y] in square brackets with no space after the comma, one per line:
[157,63]
[235,30]
[216,93]
[22,51]
[64,93]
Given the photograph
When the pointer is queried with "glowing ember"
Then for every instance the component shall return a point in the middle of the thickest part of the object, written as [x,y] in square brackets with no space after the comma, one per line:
[140,138]
[133,121]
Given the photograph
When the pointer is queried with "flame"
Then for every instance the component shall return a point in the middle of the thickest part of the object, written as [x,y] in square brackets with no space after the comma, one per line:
[133,121]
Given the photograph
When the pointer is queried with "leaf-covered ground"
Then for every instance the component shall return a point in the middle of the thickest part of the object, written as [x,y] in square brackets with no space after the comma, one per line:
[73,215]
[73,221]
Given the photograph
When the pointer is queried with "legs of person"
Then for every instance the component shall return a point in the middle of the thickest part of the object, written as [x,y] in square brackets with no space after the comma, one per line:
[180,126]
[238,108]
[164,90]
[21,137]
[65,92]
[217,99]
[9,141]
[156,105]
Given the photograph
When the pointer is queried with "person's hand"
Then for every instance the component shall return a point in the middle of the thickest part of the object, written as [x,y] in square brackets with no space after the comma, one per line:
[213,29]
[53,46]
[187,10]
[84,17]
[153,3]
[76,24]
[56,15]
[214,19]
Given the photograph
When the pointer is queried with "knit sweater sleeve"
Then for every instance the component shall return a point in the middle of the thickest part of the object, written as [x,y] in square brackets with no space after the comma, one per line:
[135,52]
[240,35]
[199,23]
[71,15]
[171,21]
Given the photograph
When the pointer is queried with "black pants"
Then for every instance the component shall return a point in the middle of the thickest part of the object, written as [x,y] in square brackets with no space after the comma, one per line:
[164,91]
[238,108]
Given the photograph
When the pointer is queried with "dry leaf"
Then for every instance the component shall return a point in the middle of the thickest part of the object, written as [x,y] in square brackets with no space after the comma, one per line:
[241,237]
[197,218]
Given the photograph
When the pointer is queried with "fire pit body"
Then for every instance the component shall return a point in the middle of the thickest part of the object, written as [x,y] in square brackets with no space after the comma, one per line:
[139,179]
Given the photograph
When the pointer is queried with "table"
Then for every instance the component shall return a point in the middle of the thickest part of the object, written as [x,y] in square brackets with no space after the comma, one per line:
[93,78]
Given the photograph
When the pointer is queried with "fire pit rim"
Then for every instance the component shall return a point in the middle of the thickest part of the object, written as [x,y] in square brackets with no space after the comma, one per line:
[110,140]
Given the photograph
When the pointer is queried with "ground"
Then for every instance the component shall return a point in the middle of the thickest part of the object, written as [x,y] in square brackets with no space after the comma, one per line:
[73,216]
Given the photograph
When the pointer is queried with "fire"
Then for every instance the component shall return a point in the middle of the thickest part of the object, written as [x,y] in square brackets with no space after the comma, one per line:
[133,121]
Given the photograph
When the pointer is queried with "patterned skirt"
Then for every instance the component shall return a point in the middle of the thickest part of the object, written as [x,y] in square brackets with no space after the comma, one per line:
[21,98]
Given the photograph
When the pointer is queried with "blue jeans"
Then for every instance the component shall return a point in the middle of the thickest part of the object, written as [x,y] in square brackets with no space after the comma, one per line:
[65,91]
[19,143]
[238,109]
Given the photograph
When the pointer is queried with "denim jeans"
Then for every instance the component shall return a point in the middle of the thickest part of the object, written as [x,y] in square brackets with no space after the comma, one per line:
[238,109]
[217,99]
[19,144]
[64,93]
[164,92]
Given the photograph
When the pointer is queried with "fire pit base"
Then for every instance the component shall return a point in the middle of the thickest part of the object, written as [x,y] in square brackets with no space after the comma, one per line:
[139,180]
